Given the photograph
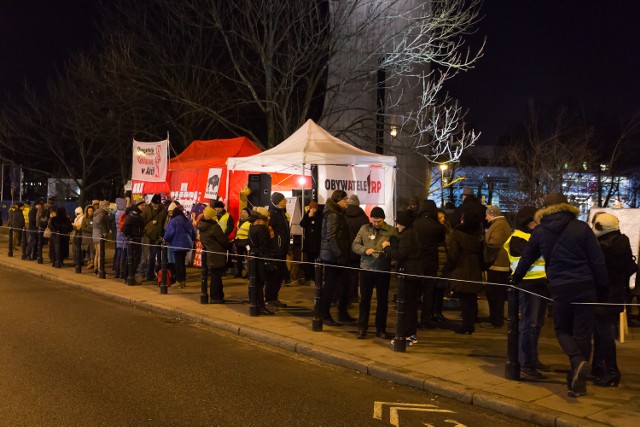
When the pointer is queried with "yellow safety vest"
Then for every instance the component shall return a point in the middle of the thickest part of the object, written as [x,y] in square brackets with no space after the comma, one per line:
[224,219]
[537,269]
[242,231]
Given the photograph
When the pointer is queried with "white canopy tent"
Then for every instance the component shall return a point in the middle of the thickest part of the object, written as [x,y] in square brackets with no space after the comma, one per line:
[340,166]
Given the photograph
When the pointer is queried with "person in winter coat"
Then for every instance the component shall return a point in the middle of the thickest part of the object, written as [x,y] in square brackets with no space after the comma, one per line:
[279,222]
[60,226]
[369,244]
[86,229]
[431,234]
[32,226]
[334,251]
[356,218]
[441,285]
[215,243]
[101,228]
[180,236]
[463,267]
[497,234]
[118,219]
[260,245]
[16,221]
[618,258]
[311,223]
[154,216]
[577,274]
[532,301]
[241,241]
[405,250]
[470,204]
[132,230]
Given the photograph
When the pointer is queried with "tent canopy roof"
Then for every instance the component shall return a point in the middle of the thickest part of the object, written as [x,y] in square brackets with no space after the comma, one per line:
[309,145]
[212,153]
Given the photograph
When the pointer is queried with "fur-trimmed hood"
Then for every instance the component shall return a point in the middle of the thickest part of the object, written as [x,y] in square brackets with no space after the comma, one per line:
[570,212]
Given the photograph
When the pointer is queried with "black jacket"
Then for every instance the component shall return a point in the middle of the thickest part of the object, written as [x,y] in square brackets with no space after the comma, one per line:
[617,253]
[133,227]
[356,218]
[280,226]
[405,251]
[215,242]
[431,235]
[575,260]
[312,226]
[335,244]
[470,208]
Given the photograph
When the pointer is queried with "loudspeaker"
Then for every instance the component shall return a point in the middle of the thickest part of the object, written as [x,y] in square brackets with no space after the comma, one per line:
[260,186]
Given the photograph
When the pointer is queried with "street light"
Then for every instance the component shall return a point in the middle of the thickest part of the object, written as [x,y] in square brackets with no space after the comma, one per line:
[443,167]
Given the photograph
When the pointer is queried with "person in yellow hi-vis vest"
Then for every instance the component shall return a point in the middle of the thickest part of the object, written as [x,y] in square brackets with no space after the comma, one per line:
[532,307]
[242,240]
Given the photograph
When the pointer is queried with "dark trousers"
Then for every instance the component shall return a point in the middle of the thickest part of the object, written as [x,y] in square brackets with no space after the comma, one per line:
[468,310]
[181,268]
[136,253]
[241,251]
[427,288]
[604,342]
[496,296]
[574,322]
[309,268]
[275,278]
[533,310]
[116,261]
[216,288]
[368,281]
[154,258]
[334,281]
[32,246]
[412,298]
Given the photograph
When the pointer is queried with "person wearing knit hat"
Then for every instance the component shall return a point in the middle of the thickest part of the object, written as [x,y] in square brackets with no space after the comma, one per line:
[405,250]
[154,216]
[334,251]
[577,273]
[279,223]
[218,204]
[156,199]
[216,243]
[500,269]
[261,212]
[620,266]
[354,200]
[532,303]
[224,218]
[369,243]
[209,212]
[277,198]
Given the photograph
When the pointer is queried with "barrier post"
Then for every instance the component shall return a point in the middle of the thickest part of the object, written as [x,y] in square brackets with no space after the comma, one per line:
[316,323]
[204,277]
[39,247]
[512,367]
[10,241]
[163,268]
[400,341]
[57,252]
[77,252]
[254,307]
[24,243]
[131,275]
[101,272]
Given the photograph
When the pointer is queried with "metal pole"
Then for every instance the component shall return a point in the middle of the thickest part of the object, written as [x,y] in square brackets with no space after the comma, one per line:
[24,243]
[254,307]
[10,241]
[512,367]
[204,277]
[39,246]
[163,269]
[131,275]
[400,341]
[77,253]
[101,273]
[316,323]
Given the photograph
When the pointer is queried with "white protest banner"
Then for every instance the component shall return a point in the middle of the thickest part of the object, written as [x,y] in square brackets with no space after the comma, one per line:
[150,161]
[367,182]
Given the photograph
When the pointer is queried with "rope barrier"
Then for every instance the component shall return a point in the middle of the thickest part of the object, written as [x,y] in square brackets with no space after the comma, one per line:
[344,267]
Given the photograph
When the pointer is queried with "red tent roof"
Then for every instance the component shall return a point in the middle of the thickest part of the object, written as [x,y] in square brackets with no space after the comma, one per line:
[212,153]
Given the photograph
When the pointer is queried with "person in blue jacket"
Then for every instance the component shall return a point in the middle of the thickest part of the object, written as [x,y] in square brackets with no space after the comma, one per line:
[577,278]
[180,235]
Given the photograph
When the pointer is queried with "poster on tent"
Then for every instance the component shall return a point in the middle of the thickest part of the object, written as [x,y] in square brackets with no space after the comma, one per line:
[150,161]
[213,183]
[368,183]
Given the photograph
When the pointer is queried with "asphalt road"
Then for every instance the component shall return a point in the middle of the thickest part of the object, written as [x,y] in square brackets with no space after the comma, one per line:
[72,358]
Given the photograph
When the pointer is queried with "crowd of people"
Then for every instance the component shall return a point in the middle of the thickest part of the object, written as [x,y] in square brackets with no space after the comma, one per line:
[550,256]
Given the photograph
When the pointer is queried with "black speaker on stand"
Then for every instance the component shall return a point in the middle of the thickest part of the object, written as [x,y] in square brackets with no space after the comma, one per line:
[260,186]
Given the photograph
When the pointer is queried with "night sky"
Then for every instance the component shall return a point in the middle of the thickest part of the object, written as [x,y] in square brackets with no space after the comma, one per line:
[585,52]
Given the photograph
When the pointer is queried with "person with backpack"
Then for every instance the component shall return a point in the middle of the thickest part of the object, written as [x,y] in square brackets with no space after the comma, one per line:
[621,265]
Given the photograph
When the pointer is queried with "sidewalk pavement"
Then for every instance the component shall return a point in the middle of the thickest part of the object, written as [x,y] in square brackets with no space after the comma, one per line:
[469,368]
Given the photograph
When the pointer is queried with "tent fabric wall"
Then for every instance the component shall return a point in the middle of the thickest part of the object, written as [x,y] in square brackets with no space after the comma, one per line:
[313,145]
